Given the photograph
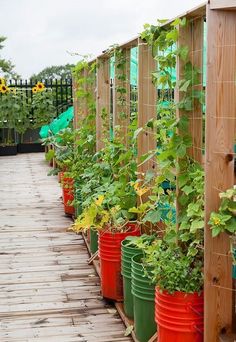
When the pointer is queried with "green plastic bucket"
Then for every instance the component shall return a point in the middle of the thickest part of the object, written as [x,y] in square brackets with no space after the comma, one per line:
[93,241]
[127,253]
[144,301]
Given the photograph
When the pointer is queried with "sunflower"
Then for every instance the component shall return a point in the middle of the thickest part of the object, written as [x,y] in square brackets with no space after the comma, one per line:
[2,81]
[34,90]
[3,88]
[40,86]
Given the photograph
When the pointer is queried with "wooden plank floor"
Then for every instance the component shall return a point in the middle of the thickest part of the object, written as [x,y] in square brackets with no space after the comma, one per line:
[47,290]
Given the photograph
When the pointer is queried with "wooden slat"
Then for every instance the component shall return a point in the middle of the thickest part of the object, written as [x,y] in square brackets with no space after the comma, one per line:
[220,136]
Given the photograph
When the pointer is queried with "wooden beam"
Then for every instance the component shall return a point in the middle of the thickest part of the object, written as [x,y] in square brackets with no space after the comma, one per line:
[195,12]
[102,101]
[147,97]
[223,4]
[220,137]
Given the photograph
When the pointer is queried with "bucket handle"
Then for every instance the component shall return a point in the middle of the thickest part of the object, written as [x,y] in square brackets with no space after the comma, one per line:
[190,307]
[198,330]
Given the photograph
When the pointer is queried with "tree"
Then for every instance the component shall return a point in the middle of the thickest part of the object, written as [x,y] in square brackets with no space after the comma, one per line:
[6,66]
[54,72]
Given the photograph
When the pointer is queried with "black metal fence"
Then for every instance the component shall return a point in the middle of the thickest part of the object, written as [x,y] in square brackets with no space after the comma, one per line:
[61,90]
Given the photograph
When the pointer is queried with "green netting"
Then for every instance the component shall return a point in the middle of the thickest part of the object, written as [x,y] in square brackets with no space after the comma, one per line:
[61,122]
[134,66]
[112,67]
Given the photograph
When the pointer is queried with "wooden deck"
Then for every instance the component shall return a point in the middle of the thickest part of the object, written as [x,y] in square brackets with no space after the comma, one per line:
[47,290]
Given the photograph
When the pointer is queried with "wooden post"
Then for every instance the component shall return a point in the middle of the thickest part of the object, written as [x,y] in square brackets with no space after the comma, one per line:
[102,101]
[220,136]
[147,96]
[121,112]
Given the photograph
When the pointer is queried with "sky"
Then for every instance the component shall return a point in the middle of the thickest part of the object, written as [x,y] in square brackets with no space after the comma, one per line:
[46,32]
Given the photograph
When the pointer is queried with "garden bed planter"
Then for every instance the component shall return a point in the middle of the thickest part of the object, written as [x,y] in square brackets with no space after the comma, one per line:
[179,316]
[30,147]
[68,195]
[8,150]
[110,260]
[144,301]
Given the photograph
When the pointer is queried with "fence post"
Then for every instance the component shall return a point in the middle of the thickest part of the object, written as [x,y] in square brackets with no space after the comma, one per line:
[220,137]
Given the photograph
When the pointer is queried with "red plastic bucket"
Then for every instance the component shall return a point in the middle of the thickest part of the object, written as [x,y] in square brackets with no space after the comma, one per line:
[179,316]
[68,195]
[109,247]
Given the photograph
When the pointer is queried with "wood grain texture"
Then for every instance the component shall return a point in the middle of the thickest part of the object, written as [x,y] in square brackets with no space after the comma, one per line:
[48,292]
[220,137]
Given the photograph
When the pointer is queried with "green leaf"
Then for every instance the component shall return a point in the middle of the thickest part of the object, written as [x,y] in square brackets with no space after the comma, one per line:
[183,179]
[136,133]
[216,231]
[195,225]
[185,86]
[187,189]
[152,216]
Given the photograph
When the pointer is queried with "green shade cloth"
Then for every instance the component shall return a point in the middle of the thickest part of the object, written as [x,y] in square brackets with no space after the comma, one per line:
[61,122]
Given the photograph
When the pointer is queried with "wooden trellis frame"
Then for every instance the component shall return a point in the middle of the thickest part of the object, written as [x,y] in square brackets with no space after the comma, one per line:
[220,131]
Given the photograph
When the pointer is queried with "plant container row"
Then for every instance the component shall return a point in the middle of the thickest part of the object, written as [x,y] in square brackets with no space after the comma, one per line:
[179,316]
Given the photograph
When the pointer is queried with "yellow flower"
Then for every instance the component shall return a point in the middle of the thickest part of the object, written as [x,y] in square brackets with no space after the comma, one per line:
[216,221]
[3,88]
[142,191]
[2,81]
[40,86]
[136,186]
[99,200]
[34,90]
